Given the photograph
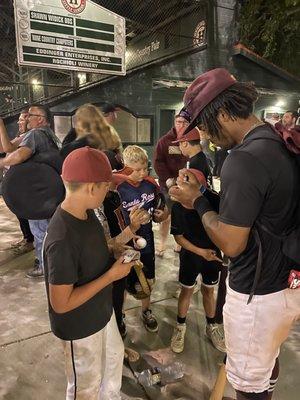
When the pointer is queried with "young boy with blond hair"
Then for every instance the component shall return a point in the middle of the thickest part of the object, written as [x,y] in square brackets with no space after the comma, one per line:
[79,273]
[142,191]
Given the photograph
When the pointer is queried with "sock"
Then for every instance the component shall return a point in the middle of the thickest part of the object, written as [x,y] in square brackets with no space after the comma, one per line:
[210,320]
[273,379]
[181,320]
[251,396]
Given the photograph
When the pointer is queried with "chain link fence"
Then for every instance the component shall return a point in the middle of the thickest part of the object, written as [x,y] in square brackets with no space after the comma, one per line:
[155,29]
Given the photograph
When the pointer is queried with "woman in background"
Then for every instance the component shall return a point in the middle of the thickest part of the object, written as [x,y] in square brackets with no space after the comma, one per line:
[92,130]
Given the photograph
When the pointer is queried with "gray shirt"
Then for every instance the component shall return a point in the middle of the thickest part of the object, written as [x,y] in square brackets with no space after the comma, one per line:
[40,140]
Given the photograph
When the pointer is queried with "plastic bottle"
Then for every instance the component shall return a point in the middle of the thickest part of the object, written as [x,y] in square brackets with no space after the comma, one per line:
[149,377]
[163,375]
[171,373]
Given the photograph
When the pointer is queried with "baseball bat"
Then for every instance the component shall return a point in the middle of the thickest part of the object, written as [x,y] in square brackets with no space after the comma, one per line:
[220,384]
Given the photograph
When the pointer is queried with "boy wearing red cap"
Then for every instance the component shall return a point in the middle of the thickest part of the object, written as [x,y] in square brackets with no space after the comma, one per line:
[78,275]
[190,147]
[198,254]
[140,190]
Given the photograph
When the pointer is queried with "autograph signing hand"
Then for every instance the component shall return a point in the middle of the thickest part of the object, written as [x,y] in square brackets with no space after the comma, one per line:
[187,189]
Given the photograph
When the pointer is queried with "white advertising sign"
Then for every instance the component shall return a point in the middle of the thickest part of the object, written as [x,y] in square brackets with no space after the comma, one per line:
[70,34]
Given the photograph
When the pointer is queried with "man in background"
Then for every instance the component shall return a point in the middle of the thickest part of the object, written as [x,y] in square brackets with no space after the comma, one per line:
[109,111]
[289,119]
[8,146]
[39,139]
[168,160]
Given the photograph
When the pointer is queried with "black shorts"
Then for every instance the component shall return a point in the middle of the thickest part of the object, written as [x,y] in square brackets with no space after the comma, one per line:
[148,261]
[192,265]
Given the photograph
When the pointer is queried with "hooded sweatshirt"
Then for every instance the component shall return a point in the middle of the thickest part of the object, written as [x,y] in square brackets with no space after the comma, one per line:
[168,159]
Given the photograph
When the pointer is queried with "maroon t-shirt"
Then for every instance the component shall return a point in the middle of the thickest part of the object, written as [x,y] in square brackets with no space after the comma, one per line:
[168,159]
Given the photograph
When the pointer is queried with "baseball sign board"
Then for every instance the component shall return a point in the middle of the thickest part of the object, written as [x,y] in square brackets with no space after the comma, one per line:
[70,34]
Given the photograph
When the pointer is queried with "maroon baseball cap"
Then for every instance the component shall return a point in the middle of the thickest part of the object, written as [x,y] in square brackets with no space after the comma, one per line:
[203,90]
[86,165]
[194,134]
[199,176]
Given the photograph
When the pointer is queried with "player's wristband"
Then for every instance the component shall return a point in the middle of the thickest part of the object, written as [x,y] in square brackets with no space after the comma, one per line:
[202,189]
[202,206]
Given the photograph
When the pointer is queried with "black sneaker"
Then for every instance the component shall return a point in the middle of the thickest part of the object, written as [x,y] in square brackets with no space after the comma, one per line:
[149,321]
[122,327]
[35,273]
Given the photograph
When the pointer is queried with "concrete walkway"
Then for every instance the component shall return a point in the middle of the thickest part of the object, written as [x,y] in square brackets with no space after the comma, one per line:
[31,359]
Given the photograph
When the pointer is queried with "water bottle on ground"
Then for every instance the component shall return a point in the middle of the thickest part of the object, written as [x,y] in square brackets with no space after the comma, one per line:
[149,377]
[161,375]
[171,373]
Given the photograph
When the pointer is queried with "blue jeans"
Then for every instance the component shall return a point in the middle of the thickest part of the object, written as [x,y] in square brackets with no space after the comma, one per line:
[38,228]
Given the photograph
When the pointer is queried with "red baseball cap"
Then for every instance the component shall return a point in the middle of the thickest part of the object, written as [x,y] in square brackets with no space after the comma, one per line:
[199,176]
[194,134]
[86,165]
[122,175]
[203,90]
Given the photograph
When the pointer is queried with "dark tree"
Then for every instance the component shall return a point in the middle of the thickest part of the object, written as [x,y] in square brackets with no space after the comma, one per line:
[271,28]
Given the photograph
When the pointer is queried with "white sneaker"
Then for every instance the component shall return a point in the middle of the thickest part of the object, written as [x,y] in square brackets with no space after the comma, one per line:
[177,341]
[215,332]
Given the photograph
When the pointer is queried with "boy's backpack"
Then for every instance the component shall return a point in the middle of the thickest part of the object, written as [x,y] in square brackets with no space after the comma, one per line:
[290,240]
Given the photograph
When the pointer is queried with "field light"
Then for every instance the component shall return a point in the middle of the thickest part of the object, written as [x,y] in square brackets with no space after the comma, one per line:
[280,103]
[35,82]
[82,78]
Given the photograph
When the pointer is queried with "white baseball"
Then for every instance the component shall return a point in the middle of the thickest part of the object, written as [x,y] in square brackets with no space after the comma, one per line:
[141,243]
[170,182]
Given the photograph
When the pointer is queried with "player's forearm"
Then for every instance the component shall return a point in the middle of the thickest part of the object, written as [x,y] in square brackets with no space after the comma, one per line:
[79,295]
[211,223]
[187,245]
[6,146]
[125,236]
[217,234]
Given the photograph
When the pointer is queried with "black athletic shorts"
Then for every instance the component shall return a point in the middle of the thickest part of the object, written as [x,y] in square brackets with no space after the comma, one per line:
[148,261]
[192,265]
